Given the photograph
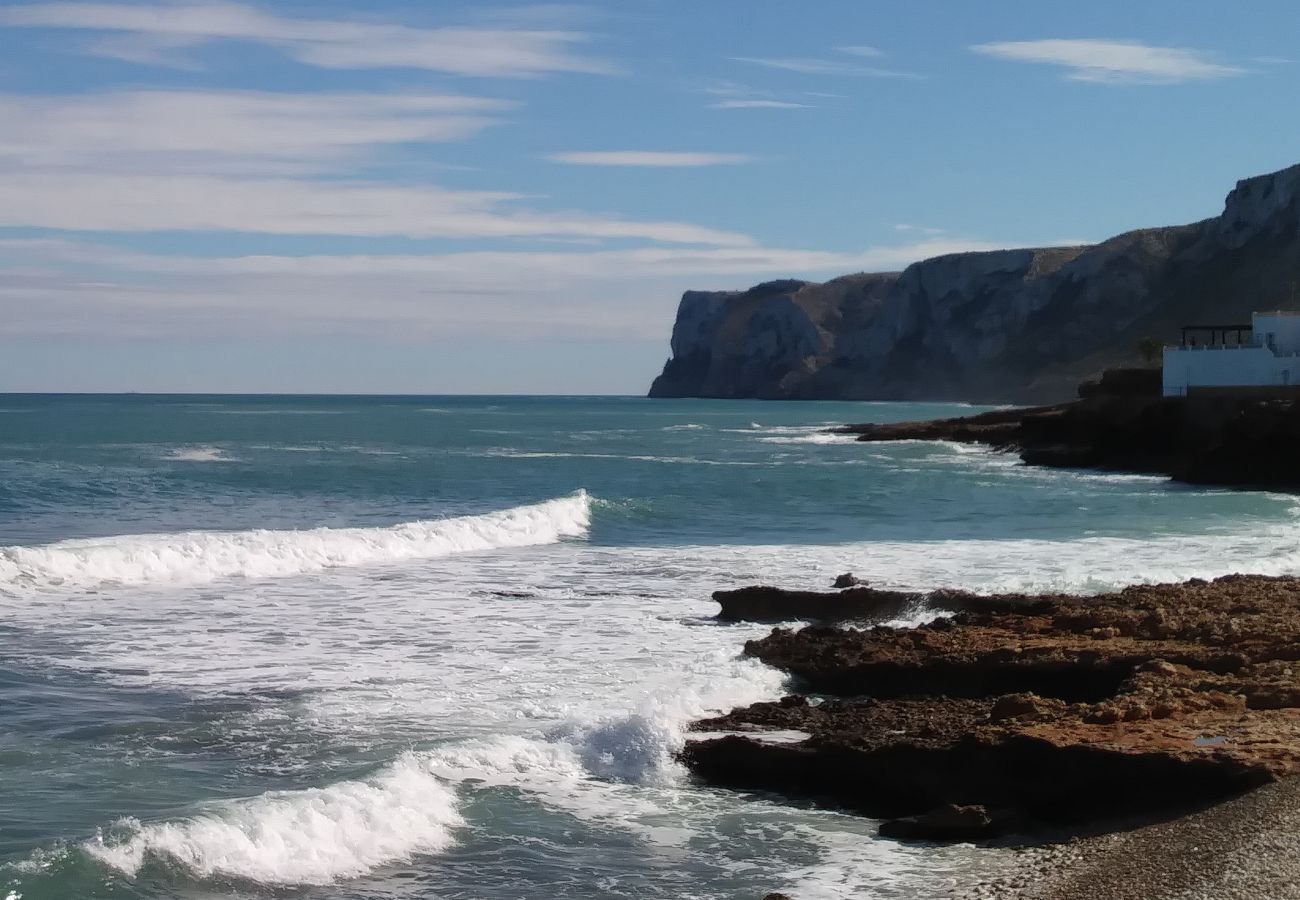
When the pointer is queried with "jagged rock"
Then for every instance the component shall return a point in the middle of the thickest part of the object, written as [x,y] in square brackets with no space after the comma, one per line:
[1060,708]
[847,580]
[1002,326]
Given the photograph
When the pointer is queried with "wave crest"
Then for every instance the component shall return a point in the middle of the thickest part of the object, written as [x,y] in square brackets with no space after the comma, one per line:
[200,556]
[299,837]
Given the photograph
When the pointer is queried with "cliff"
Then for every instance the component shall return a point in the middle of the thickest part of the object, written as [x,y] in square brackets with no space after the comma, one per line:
[1002,326]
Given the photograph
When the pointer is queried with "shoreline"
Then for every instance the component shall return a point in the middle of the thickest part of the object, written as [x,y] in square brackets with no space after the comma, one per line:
[1072,737]
[1245,848]
[1230,439]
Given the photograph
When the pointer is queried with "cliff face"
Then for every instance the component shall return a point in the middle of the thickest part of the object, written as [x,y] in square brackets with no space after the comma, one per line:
[766,341]
[1008,325]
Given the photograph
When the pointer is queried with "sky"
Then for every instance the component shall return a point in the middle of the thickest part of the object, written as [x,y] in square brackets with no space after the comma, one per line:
[468,197]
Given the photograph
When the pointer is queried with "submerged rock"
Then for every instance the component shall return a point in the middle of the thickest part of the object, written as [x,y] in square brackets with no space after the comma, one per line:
[1051,708]
[949,823]
[847,580]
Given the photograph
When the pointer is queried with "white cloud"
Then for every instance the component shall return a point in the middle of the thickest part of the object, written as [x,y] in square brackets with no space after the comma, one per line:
[224,131]
[649,158]
[1115,62]
[107,202]
[740,96]
[810,66]
[758,104]
[142,161]
[60,287]
[920,229]
[861,50]
[157,33]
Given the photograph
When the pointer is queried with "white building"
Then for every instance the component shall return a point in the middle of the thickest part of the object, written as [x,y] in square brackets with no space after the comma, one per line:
[1265,353]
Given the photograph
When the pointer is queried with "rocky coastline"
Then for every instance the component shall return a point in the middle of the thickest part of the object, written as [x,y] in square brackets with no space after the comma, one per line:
[1033,715]
[1224,439]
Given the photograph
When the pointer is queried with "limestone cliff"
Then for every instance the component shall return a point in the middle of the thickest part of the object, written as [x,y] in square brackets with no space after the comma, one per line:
[1007,325]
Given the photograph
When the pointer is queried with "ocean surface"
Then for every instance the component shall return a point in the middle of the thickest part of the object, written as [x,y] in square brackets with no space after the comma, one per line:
[445,647]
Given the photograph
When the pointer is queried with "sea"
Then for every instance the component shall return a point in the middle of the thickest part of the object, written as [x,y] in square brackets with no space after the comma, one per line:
[447,647]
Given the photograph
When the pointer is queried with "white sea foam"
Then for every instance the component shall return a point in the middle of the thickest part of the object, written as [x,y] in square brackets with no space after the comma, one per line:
[817,437]
[585,766]
[560,454]
[201,556]
[198,454]
[299,837]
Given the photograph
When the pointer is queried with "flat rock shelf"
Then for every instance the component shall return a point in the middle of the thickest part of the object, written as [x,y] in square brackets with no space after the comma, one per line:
[1021,713]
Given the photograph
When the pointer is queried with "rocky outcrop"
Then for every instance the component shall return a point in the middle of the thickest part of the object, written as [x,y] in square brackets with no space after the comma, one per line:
[1002,326]
[762,342]
[1214,439]
[1048,709]
[761,603]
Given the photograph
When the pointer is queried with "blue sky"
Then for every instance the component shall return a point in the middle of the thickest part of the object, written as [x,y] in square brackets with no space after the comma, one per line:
[470,197]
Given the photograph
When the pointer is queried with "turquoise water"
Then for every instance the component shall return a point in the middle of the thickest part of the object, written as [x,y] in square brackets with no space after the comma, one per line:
[445,647]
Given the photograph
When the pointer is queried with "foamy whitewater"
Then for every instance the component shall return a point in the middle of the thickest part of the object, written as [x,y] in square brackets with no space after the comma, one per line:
[389,647]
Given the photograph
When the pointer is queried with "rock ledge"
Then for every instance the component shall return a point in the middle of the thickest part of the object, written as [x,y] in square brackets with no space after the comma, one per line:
[1039,710]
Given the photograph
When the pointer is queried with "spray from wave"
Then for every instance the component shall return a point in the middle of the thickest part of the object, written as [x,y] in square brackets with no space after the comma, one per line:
[201,556]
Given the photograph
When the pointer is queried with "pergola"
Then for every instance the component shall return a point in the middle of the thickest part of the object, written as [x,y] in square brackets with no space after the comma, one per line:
[1218,335]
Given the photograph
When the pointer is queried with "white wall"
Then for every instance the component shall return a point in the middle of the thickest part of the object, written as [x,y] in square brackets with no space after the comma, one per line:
[1227,367]
[1285,329]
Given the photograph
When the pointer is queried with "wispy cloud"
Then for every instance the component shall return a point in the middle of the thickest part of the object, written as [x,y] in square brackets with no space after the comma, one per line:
[758,104]
[108,202]
[1114,62]
[168,132]
[814,66]
[264,163]
[920,229]
[741,96]
[160,33]
[861,50]
[649,158]
[73,288]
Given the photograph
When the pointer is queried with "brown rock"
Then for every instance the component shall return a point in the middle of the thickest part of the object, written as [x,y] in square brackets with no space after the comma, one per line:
[1064,708]
[1015,706]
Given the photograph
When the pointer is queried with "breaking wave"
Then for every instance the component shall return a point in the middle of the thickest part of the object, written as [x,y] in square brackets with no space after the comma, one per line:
[411,806]
[198,454]
[299,837]
[200,556]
